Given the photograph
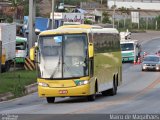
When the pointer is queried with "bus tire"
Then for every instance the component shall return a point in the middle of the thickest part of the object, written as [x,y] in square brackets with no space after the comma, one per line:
[105,93]
[113,91]
[91,97]
[50,99]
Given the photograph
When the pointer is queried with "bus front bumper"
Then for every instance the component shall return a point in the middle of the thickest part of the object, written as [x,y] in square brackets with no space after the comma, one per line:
[82,90]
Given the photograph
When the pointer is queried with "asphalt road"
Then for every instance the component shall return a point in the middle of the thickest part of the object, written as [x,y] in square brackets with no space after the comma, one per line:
[139,93]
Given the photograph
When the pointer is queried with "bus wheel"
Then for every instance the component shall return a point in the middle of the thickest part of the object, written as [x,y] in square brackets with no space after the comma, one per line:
[113,91]
[105,93]
[50,99]
[91,97]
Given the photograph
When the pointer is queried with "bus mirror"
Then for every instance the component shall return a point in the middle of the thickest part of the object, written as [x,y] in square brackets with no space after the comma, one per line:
[32,53]
[90,49]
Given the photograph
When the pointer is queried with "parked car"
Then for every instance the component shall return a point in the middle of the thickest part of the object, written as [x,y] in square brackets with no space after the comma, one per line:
[151,62]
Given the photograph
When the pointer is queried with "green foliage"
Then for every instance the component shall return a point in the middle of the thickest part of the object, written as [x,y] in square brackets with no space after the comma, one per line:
[105,17]
[87,21]
[124,10]
[9,19]
[15,81]
[77,2]
[74,2]
[158,22]
[26,8]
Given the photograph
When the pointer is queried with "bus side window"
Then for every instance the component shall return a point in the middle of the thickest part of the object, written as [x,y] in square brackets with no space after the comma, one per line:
[91,67]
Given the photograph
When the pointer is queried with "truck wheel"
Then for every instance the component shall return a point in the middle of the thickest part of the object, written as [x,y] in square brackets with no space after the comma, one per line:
[7,66]
[50,99]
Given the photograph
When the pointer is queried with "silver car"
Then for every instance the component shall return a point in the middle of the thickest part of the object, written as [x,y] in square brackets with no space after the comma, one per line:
[151,62]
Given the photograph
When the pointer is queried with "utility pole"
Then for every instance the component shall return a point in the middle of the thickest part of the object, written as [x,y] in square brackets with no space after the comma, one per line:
[156,24]
[32,13]
[114,13]
[52,14]
[101,2]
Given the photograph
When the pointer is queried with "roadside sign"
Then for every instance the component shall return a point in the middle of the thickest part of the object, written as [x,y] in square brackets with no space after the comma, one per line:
[135,17]
[69,17]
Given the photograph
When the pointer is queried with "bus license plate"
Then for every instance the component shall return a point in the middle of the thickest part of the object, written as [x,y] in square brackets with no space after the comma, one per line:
[63,91]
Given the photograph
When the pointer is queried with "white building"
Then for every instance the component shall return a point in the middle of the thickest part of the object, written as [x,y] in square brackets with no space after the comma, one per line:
[136,4]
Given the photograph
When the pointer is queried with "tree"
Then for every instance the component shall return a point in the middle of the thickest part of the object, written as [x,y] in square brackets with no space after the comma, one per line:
[158,22]
[14,6]
[26,8]
[105,17]
[125,12]
[74,2]
[87,21]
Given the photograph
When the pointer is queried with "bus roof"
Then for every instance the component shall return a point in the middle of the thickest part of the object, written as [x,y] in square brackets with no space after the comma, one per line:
[68,29]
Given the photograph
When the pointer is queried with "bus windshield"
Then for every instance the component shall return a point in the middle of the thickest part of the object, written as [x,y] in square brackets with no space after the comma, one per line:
[63,56]
[20,46]
[127,46]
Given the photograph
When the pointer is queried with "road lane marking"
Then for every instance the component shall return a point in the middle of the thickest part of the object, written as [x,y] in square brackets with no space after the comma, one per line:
[103,105]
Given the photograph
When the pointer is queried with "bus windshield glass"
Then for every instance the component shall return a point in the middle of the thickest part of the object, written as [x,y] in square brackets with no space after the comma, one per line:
[127,46]
[63,56]
[20,46]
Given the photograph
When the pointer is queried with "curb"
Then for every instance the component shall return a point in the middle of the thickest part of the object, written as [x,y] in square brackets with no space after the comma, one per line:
[31,88]
[6,96]
[27,90]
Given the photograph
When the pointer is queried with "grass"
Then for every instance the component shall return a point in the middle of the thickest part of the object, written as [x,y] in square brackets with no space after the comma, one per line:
[15,81]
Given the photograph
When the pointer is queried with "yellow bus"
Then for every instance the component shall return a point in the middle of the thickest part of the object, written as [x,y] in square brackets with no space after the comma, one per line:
[78,60]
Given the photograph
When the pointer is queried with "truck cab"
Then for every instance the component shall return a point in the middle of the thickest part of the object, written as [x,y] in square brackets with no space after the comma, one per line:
[130,50]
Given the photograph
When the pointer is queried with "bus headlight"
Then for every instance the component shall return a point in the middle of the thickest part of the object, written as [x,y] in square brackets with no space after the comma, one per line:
[81,82]
[43,84]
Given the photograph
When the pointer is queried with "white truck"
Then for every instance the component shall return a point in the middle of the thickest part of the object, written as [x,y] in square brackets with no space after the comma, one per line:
[7,45]
[130,49]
